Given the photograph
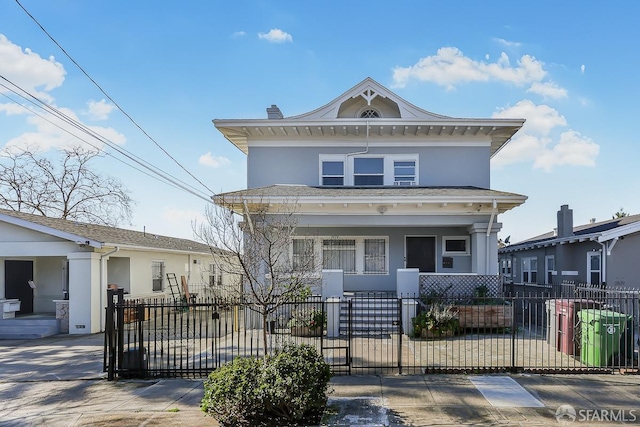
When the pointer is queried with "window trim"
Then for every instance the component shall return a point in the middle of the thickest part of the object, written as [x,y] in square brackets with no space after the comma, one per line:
[549,272]
[162,273]
[594,254]
[332,158]
[388,172]
[467,251]
[526,268]
[359,253]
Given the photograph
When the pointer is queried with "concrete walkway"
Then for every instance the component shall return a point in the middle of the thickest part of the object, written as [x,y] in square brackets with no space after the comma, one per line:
[58,381]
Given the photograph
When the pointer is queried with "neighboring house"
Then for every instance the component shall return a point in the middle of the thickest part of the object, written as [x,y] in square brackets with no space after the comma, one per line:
[379,185]
[595,253]
[69,259]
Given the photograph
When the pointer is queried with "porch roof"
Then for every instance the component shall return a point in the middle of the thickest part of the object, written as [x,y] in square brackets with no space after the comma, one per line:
[420,200]
[99,236]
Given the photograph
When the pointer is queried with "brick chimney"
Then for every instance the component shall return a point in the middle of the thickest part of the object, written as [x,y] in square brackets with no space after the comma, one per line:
[565,221]
[274,112]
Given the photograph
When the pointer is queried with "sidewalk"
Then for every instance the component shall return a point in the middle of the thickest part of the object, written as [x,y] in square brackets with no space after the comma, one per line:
[58,381]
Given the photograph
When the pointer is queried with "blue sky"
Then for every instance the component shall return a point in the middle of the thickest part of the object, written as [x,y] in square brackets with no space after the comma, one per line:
[570,69]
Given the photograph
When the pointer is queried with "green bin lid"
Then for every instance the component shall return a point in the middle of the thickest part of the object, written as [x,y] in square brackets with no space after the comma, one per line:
[594,314]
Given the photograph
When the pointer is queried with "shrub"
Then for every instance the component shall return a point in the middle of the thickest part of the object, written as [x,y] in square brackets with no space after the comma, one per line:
[295,384]
[287,388]
[439,318]
[231,392]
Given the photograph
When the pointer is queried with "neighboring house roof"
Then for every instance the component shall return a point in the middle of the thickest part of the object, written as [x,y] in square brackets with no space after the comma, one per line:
[473,198]
[99,236]
[603,231]
[339,119]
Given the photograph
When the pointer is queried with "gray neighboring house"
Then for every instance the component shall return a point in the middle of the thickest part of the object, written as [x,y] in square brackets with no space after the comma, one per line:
[381,187]
[598,252]
[44,261]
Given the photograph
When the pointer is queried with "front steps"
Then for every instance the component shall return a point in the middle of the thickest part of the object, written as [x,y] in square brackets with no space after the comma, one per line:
[371,315]
[26,328]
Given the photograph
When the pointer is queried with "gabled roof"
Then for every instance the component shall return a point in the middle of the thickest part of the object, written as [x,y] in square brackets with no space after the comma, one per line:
[424,199]
[99,236]
[342,118]
[602,231]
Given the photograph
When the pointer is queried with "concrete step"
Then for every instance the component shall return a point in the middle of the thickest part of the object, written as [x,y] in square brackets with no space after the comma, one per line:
[25,328]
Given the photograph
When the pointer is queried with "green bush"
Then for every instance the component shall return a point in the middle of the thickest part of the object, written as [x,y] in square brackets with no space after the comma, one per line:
[231,392]
[295,384]
[287,388]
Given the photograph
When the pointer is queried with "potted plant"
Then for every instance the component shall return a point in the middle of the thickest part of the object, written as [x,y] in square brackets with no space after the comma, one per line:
[307,322]
[437,322]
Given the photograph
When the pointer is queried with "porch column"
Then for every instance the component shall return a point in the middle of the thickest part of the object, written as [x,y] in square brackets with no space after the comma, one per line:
[408,282]
[85,309]
[332,283]
[484,248]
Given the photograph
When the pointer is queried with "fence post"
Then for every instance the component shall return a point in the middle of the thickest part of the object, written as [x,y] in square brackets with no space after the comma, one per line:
[513,334]
[108,336]
[400,327]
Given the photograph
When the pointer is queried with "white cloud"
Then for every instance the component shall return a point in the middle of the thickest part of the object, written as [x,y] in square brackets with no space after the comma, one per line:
[62,135]
[239,34]
[486,56]
[29,71]
[572,149]
[99,110]
[214,161]
[450,67]
[507,42]
[13,109]
[582,67]
[276,35]
[541,119]
[548,90]
[535,143]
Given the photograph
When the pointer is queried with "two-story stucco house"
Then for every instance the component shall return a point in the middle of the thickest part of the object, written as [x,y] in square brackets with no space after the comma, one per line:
[380,185]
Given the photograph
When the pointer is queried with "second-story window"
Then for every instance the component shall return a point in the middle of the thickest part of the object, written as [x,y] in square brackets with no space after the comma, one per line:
[368,171]
[404,172]
[332,172]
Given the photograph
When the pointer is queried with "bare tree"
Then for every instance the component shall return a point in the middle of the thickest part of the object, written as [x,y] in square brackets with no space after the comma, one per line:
[66,188]
[260,242]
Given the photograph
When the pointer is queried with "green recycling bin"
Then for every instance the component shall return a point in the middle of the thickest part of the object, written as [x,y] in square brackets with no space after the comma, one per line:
[605,336]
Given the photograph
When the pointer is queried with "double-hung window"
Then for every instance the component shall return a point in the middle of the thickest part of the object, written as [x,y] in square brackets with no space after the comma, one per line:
[303,255]
[530,270]
[375,256]
[339,254]
[404,172]
[333,172]
[368,171]
[157,275]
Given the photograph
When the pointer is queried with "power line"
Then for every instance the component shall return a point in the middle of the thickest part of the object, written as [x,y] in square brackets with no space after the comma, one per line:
[159,175]
[111,99]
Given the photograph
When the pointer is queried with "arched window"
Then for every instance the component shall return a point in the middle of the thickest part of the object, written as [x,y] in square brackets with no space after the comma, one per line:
[369,113]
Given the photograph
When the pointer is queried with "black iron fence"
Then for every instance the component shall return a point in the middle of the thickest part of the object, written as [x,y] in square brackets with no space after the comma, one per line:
[530,330]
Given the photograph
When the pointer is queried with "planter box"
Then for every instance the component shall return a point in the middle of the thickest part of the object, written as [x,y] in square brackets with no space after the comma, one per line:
[303,331]
[484,316]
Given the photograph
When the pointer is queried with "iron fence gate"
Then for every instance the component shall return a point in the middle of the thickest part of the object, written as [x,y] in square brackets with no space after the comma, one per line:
[364,334]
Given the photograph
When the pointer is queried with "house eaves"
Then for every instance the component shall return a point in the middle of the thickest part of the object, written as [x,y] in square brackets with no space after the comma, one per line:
[407,125]
[406,200]
[550,242]
[80,239]
[100,236]
[621,231]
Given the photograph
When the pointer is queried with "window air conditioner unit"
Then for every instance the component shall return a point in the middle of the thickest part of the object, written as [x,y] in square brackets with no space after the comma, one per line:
[404,183]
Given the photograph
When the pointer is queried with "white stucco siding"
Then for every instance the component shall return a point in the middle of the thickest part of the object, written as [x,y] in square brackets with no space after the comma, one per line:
[140,277]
